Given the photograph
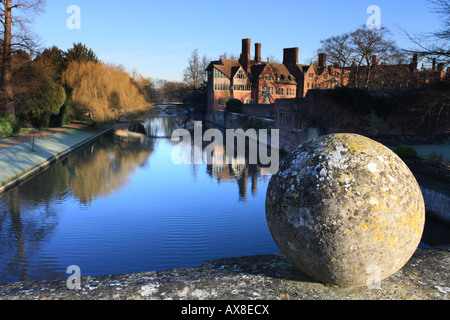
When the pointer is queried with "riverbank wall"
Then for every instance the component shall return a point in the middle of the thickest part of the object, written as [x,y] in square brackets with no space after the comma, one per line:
[23,161]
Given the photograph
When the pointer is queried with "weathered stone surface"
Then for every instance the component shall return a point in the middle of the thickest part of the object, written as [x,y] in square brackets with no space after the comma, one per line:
[270,277]
[345,210]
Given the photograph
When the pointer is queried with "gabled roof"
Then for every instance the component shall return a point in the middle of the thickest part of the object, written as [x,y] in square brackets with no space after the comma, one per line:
[231,67]
[321,70]
[257,69]
[306,67]
[225,66]
[281,72]
[235,70]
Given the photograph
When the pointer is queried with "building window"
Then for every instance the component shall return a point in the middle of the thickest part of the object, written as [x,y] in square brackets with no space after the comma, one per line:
[241,75]
[250,101]
[218,74]
[242,87]
[268,77]
[308,85]
[290,92]
[297,121]
[311,75]
[221,87]
[280,91]
[281,119]
[268,89]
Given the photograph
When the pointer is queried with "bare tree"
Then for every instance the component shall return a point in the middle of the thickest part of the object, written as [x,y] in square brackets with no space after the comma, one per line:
[434,45]
[227,55]
[442,8]
[339,52]
[353,54]
[15,16]
[203,65]
[195,73]
[366,44]
[272,58]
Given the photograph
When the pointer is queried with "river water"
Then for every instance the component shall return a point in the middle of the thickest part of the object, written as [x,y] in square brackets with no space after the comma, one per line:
[122,205]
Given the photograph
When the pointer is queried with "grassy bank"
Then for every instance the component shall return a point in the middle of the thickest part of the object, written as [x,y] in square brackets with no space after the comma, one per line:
[19,159]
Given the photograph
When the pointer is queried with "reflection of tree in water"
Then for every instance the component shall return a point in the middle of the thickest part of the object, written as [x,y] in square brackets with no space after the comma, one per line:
[23,226]
[106,167]
[28,214]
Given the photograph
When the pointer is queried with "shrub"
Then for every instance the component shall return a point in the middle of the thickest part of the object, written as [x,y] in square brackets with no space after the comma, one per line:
[434,156]
[6,130]
[234,105]
[15,125]
[406,152]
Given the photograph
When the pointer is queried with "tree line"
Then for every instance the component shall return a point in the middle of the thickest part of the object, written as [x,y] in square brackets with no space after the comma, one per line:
[354,50]
[47,87]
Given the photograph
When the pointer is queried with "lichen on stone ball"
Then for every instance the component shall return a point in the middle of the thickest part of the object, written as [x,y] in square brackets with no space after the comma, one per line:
[345,210]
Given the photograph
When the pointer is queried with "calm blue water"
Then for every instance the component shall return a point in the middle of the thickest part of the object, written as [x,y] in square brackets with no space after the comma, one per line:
[122,206]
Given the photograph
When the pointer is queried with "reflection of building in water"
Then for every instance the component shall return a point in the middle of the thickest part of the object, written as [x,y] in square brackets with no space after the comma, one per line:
[238,170]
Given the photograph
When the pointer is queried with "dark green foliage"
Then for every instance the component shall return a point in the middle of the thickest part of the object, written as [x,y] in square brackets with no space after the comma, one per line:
[36,107]
[406,152]
[6,129]
[234,105]
[429,106]
[80,53]
[362,101]
[53,58]
[60,119]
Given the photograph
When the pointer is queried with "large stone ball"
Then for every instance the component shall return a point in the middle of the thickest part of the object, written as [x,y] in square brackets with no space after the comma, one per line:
[345,210]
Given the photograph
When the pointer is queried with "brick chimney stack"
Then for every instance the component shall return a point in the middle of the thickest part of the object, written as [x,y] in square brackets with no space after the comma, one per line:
[258,52]
[415,61]
[322,60]
[434,64]
[290,56]
[374,60]
[245,55]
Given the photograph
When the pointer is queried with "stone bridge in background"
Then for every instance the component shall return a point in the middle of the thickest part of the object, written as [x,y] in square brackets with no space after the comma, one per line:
[170,105]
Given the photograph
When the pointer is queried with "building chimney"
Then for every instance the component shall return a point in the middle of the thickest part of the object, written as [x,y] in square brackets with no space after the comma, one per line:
[434,64]
[258,52]
[322,60]
[245,55]
[415,61]
[290,56]
[374,60]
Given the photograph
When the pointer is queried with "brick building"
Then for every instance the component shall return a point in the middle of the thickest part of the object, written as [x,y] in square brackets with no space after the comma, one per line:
[254,81]
[250,80]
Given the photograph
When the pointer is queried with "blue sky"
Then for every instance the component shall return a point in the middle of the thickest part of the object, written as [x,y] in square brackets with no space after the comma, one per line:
[157,37]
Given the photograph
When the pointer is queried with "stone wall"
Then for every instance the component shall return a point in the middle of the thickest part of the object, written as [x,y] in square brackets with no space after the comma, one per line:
[294,122]
[240,121]
[320,112]
[437,202]
[260,110]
